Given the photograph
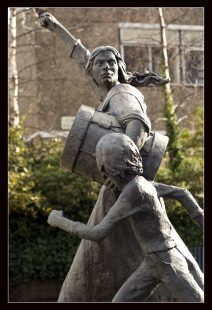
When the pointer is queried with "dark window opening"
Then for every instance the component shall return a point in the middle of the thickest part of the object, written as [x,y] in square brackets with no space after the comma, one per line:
[148,58]
[194,67]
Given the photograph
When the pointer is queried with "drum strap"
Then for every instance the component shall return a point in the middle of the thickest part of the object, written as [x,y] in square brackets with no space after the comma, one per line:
[105,120]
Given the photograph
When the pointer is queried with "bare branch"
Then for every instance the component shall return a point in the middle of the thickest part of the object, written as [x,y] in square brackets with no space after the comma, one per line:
[41,80]
[21,10]
[37,63]
[181,119]
[30,31]
[177,19]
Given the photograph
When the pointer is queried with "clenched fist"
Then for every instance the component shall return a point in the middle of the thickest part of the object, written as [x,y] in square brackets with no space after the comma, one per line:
[48,21]
[54,216]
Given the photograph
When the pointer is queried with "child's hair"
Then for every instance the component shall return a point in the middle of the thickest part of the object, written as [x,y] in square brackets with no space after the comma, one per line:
[117,155]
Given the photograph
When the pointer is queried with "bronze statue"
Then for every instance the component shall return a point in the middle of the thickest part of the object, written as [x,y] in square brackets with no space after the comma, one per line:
[119,159]
[100,269]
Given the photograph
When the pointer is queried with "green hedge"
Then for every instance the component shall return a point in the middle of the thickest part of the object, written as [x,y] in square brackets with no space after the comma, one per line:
[37,185]
[37,251]
[189,174]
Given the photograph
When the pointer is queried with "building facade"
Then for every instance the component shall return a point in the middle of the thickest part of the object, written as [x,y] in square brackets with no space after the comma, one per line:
[52,87]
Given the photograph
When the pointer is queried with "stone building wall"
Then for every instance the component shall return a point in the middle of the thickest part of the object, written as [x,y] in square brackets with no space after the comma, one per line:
[55,86]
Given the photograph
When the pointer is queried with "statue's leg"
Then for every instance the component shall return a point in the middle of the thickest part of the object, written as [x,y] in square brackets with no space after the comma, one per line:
[192,266]
[172,269]
[138,287]
[192,263]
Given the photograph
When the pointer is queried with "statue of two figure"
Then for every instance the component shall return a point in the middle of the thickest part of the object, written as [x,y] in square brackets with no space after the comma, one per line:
[130,251]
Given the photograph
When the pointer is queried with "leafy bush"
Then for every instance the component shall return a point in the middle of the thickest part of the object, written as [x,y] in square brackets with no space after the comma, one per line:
[36,186]
[61,189]
[38,251]
[22,197]
[189,174]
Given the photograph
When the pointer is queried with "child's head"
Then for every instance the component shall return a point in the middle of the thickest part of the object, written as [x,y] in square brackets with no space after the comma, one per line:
[118,156]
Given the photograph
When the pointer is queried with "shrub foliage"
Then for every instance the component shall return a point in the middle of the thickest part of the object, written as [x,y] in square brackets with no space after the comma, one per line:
[37,185]
[188,174]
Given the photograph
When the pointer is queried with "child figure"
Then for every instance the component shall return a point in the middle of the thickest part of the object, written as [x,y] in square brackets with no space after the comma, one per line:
[164,262]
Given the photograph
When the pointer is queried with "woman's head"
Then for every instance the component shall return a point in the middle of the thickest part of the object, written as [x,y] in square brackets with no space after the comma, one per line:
[118,156]
[106,51]
[123,76]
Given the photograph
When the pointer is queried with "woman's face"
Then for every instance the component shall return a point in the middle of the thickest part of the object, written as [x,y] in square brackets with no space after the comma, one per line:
[105,69]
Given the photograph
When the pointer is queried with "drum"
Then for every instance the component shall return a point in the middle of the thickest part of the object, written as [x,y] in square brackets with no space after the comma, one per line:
[79,154]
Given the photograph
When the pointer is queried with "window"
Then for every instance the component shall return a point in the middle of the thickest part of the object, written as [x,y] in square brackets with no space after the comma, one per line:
[193,67]
[141,50]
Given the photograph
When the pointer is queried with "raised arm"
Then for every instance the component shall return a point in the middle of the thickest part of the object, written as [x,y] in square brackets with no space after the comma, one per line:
[75,48]
[184,197]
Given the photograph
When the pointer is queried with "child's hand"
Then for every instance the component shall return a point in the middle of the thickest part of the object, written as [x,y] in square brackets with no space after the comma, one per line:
[54,216]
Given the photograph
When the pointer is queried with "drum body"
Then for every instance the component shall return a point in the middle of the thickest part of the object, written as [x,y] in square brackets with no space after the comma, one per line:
[79,154]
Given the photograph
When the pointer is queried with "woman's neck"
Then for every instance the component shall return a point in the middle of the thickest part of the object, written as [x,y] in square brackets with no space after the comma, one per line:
[104,89]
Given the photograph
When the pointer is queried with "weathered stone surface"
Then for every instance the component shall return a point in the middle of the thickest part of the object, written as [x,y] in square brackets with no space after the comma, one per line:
[122,166]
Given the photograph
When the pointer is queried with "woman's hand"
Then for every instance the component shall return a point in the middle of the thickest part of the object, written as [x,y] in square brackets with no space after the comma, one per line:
[109,183]
[48,21]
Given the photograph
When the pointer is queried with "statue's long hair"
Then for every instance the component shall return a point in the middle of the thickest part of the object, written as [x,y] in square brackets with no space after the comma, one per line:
[134,79]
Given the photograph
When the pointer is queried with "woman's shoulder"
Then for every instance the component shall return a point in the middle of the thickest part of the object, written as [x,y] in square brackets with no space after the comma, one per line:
[122,89]
[126,88]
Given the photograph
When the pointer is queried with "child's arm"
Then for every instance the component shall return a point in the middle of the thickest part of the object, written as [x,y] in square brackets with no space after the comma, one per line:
[78,229]
[119,211]
[183,196]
